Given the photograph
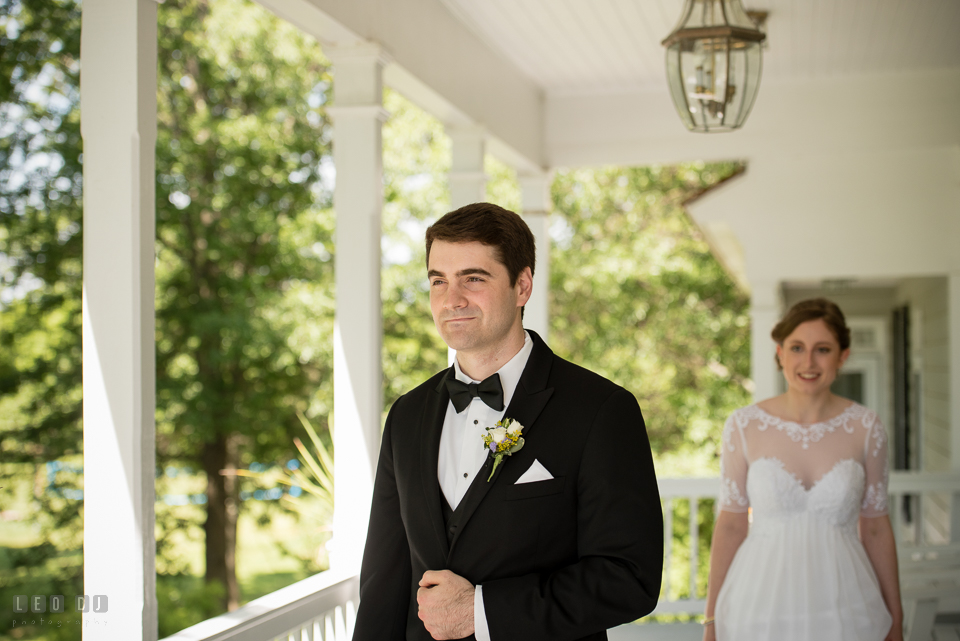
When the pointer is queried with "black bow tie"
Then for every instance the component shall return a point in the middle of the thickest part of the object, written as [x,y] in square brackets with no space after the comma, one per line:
[489,390]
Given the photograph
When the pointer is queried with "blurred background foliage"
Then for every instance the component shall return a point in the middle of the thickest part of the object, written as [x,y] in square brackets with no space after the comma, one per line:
[245,300]
[636,295]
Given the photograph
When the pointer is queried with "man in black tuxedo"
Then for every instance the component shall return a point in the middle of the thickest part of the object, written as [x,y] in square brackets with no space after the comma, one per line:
[564,538]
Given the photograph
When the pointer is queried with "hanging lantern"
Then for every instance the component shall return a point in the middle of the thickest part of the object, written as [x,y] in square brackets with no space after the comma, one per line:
[713,64]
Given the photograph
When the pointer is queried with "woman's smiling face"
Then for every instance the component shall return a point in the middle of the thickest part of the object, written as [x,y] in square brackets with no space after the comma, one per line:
[810,357]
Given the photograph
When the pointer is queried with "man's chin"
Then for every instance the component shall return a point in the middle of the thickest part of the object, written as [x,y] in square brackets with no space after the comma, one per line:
[457,345]
[457,341]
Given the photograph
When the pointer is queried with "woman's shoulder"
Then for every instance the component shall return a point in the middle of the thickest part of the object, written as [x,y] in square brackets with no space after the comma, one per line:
[867,415]
[741,419]
[858,415]
[742,416]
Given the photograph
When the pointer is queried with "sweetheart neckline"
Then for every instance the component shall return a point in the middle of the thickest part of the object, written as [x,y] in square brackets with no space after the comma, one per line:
[781,465]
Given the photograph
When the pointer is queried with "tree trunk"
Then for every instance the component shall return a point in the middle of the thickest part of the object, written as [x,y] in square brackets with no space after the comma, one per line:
[220,528]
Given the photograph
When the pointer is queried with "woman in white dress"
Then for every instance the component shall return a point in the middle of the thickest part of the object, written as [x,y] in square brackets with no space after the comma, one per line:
[817,561]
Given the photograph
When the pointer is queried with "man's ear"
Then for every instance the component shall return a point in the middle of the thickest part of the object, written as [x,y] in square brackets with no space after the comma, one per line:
[524,286]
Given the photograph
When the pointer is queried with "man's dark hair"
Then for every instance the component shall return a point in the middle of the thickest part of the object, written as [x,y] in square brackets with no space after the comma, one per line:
[490,225]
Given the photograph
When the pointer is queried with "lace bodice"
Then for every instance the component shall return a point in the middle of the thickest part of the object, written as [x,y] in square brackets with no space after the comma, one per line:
[828,467]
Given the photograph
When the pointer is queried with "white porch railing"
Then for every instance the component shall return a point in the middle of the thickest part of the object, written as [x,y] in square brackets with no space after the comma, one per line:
[323,607]
[915,487]
[320,608]
[694,491]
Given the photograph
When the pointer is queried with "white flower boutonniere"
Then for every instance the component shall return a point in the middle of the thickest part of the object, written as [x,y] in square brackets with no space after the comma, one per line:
[503,439]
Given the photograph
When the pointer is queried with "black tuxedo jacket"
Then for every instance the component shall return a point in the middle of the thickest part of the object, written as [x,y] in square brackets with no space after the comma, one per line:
[560,559]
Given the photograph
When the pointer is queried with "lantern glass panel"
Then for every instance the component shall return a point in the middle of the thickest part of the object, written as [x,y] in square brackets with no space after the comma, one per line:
[713,81]
[713,65]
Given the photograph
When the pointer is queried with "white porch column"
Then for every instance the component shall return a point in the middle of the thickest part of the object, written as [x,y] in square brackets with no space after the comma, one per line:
[118,100]
[765,310]
[953,336]
[535,194]
[357,375]
[468,182]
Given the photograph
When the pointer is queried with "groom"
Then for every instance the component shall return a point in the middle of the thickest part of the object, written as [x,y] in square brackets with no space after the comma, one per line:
[560,540]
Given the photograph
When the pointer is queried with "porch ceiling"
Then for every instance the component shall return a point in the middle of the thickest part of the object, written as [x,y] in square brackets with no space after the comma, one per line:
[586,46]
[582,82]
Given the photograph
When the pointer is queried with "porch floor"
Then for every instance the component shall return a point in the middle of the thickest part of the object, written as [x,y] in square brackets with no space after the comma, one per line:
[946,628]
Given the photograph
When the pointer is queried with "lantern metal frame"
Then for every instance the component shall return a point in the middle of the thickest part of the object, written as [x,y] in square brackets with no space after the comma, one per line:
[730,44]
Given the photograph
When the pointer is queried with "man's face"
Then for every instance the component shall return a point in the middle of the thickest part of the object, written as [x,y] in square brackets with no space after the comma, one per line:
[473,304]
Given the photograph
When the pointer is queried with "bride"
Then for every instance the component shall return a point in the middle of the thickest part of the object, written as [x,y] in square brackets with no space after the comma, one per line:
[811,466]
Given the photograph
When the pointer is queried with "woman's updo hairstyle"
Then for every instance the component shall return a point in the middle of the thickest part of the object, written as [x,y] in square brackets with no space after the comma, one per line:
[813,309]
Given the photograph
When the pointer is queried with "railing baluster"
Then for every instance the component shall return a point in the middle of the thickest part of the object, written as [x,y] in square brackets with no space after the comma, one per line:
[694,546]
[895,506]
[919,537]
[341,624]
[328,632]
[667,545]
[351,618]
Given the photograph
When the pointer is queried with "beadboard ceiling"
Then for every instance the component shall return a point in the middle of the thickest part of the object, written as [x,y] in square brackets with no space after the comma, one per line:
[585,46]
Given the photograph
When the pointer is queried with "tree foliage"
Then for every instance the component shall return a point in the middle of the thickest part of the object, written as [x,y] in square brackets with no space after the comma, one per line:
[40,243]
[637,296]
[416,162]
[40,280]
[244,270]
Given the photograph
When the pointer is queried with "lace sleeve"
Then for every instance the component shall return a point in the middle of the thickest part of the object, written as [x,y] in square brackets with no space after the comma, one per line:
[733,469]
[875,463]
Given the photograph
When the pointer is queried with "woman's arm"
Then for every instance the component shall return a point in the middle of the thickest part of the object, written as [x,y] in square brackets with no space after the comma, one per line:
[728,533]
[878,541]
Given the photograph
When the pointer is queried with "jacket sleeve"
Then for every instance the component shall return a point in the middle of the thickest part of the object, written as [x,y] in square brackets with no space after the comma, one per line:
[385,573]
[616,578]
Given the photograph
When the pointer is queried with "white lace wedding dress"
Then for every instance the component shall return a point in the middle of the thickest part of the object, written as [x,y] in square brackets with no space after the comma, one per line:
[802,573]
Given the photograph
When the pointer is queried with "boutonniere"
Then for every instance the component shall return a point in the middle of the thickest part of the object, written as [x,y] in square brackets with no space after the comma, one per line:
[503,439]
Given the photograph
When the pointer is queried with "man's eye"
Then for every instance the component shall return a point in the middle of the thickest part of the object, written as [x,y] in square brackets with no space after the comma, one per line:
[435,283]
[475,279]
[796,348]
[825,350]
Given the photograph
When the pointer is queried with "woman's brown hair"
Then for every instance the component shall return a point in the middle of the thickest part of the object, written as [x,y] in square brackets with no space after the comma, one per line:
[813,309]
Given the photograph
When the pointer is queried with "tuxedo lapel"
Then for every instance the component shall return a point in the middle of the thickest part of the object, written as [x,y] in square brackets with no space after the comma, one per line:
[528,401]
[430,429]
[532,393]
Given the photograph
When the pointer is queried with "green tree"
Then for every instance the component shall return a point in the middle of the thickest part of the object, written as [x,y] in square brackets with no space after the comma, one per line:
[40,280]
[244,247]
[416,162]
[40,241]
[637,296]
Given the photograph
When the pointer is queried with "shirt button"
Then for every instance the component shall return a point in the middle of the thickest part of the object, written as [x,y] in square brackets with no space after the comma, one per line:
[475,422]
[465,475]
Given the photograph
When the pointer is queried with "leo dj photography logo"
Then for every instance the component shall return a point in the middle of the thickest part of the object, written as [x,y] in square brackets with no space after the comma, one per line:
[38,603]
[26,609]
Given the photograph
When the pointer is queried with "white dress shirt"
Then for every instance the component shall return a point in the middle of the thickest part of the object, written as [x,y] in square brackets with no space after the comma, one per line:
[462,453]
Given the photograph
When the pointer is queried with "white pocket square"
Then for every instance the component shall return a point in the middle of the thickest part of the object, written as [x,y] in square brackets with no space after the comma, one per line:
[537,472]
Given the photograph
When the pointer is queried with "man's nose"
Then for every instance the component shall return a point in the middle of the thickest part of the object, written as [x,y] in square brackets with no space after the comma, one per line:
[455,298]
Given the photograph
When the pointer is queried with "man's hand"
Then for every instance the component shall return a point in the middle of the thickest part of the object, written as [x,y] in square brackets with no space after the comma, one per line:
[446,604]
